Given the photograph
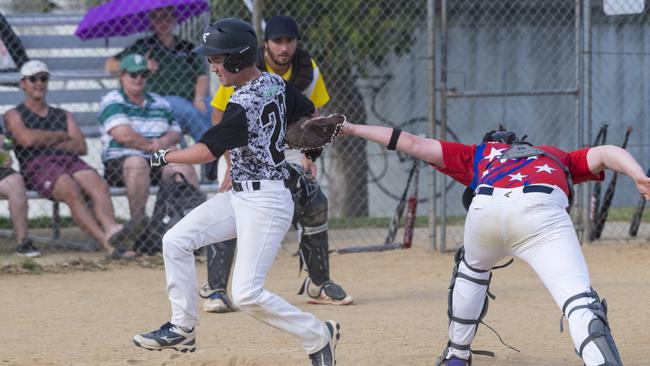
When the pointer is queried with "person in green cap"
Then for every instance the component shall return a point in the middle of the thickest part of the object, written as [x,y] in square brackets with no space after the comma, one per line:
[135,123]
[177,74]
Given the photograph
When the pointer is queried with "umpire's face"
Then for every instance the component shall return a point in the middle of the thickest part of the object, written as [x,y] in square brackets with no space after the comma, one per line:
[281,50]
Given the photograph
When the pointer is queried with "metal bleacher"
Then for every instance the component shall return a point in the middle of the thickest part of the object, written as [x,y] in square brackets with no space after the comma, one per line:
[77,78]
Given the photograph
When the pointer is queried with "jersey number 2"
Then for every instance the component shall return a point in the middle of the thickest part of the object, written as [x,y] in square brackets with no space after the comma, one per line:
[272,115]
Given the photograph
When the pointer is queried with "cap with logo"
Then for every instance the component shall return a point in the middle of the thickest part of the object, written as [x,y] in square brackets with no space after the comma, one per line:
[281,26]
[133,63]
[33,67]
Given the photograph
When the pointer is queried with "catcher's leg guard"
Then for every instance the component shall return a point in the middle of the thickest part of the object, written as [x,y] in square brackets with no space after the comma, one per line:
[220,259]
[311,206]
[468,304]
[587,316]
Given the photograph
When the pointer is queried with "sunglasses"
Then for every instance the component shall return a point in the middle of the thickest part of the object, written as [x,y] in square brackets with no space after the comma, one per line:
[143,74]
[43,78]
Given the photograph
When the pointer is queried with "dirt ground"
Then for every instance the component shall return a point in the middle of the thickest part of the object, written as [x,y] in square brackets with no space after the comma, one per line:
[89,318]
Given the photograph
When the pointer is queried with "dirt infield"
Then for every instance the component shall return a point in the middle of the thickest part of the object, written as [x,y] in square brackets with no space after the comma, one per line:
[89,318]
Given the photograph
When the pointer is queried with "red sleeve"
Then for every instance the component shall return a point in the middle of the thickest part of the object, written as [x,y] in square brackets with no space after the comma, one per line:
[458,159]
[576,161]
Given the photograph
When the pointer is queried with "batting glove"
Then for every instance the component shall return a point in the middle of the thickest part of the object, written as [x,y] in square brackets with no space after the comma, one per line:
[157,159]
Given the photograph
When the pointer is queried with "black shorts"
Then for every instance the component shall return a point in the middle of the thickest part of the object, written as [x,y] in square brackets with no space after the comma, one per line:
[5,172]
[114,173]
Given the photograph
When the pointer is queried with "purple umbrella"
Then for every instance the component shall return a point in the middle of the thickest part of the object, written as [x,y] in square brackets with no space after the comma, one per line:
[124,17]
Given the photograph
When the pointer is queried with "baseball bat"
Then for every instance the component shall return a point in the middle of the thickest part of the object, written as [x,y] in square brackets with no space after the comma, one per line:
[636,218]
[601,137]
[397,216]
[411,211]
[609,197]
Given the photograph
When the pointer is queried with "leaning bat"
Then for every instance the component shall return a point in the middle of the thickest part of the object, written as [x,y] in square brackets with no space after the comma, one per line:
[397,217]
[599,224]
[636,219]
[600,139]
[411,211]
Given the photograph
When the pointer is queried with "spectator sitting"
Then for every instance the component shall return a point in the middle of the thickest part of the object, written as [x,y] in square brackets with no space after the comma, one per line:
[12,187]
[134,124]
[48,143]
[177,74]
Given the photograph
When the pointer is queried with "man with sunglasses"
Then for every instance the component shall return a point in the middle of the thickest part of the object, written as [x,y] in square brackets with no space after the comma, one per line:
[177,74]
[48,143]
[135,123]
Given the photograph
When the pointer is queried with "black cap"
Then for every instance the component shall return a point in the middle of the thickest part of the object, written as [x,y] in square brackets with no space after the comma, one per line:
[281,26]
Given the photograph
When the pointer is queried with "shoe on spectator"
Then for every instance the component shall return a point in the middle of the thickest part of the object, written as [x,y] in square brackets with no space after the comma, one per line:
[122,254]
[131,231]
[328,293]
[217,301]
[27,249]
[326,356]
[168,336]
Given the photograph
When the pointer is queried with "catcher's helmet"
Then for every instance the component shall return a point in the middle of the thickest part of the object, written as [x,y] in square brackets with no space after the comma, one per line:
[233,38]
[500,135]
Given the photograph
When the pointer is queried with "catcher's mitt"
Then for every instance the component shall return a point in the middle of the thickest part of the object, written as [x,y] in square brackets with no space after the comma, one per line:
[314,133]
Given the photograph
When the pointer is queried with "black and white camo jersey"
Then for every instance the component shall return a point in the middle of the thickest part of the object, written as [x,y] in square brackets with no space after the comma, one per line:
[253,127]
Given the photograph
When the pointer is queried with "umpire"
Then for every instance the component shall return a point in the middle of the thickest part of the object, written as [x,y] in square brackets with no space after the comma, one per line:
[281,55]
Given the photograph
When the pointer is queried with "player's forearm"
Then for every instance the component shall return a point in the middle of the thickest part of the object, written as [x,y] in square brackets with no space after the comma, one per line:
[614,158]
[195,154]
[423,148]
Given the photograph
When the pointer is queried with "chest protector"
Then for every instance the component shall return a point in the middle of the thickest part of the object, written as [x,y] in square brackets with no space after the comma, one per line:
[302,71]
[520,150]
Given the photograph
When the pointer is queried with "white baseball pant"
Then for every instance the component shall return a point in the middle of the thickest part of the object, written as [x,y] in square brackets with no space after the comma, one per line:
[535,228]
[259,219]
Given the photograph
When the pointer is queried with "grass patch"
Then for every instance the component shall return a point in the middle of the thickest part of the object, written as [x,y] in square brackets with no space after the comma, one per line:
[382,222]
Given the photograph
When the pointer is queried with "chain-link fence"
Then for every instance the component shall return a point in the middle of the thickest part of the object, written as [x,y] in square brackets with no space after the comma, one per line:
[555,70]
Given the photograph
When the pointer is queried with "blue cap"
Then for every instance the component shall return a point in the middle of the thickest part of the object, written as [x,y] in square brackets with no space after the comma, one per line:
[281,26]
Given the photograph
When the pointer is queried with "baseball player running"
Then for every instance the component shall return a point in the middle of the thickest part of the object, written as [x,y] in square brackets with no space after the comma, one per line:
[519,209]
[257,210]
[281,55]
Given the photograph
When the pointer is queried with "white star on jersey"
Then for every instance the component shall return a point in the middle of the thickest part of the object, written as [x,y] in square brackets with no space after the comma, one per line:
[544,168]
[494,152]
[517,176]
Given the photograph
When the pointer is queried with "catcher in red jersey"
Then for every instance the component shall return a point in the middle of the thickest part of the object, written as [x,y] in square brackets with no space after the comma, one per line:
[519,209]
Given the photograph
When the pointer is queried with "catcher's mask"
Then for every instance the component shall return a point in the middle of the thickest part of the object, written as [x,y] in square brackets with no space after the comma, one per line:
[233,38]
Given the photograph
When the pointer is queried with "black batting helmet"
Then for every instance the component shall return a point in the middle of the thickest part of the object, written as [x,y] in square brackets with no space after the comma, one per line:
[233,38]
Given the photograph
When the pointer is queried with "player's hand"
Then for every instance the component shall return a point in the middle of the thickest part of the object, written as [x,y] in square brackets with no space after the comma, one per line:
[227,182]
[346,130]
[643,185]
[157,159]
[309,167]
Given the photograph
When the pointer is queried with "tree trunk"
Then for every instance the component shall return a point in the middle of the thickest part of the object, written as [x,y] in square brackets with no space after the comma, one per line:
[348,168]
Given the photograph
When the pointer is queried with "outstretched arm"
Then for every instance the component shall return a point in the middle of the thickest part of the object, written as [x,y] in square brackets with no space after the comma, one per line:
[423,148]
[619,160]
[195,154]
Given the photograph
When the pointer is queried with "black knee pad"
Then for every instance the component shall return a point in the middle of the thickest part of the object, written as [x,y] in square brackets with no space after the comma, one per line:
[220,258]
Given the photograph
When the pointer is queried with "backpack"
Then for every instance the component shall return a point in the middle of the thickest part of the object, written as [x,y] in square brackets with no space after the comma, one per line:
[175,199]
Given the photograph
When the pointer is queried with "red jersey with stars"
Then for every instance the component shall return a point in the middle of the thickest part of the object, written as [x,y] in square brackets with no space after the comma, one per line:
[473,165]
